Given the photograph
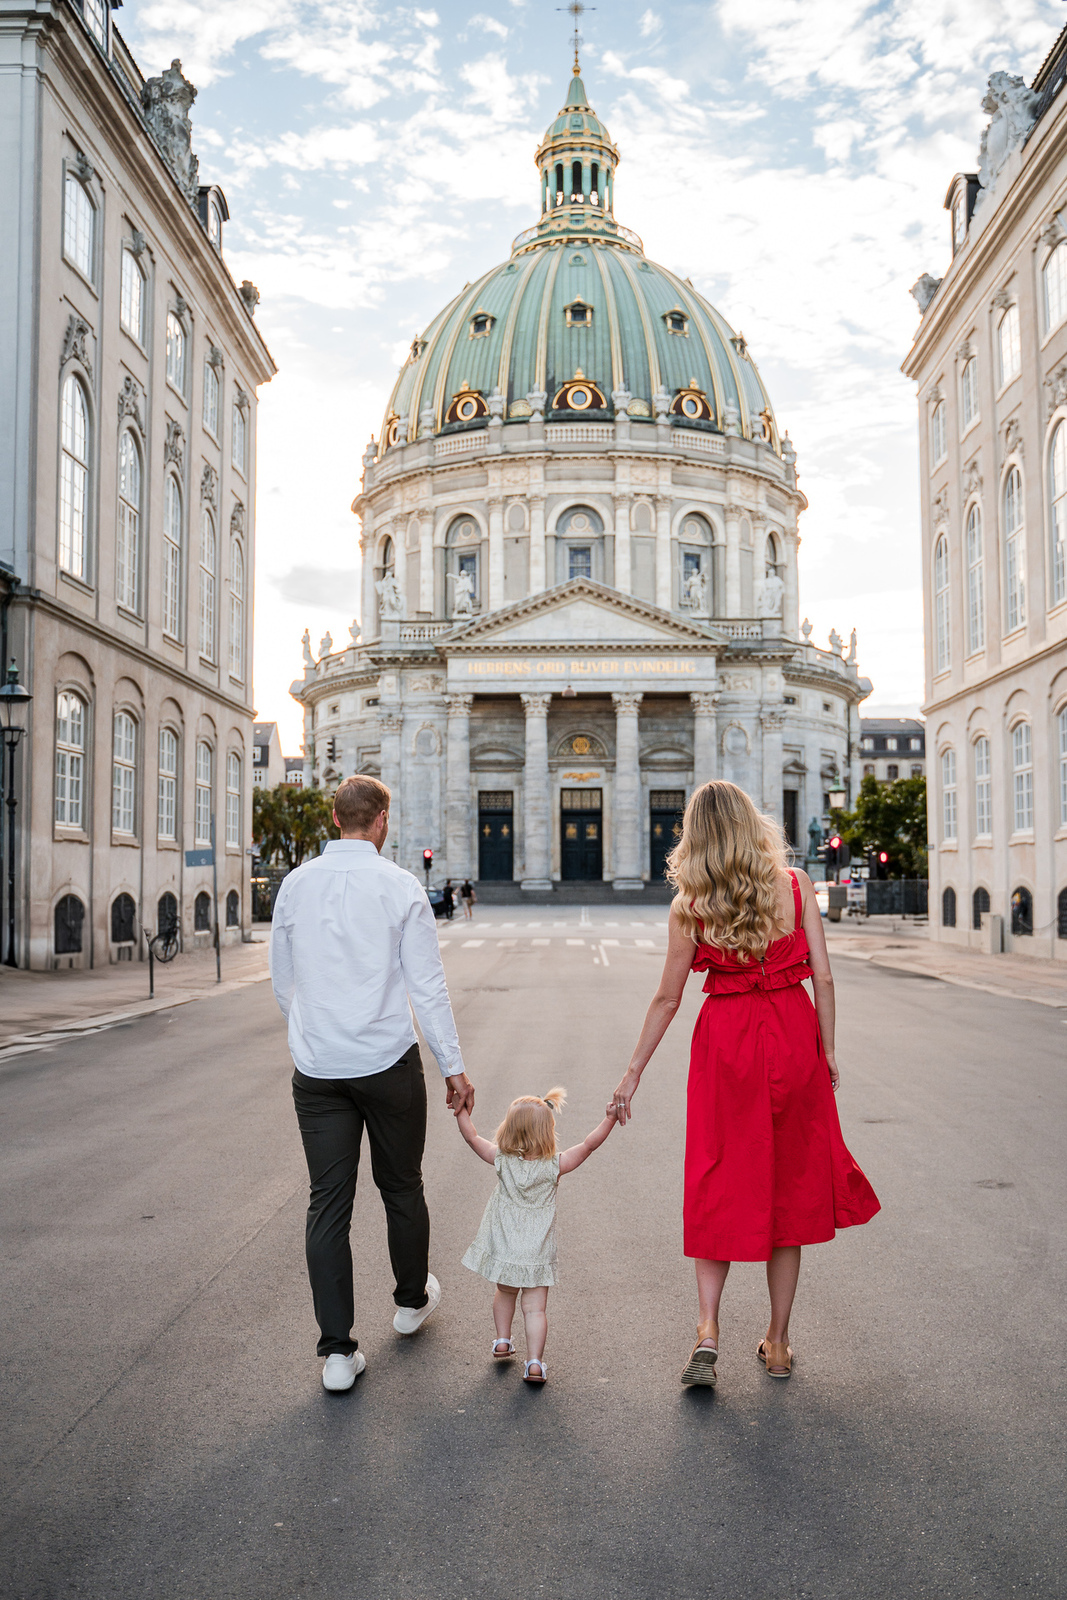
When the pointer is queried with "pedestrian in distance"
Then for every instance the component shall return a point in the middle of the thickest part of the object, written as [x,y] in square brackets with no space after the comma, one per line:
[468,896]
[353,940]
[515,1247]
[766,1168]
[449,899]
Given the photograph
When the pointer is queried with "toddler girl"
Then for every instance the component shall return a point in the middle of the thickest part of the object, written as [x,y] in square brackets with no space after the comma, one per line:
[516,1244]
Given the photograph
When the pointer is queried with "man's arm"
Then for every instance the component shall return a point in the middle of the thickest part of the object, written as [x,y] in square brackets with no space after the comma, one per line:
[424,979]
[282,974]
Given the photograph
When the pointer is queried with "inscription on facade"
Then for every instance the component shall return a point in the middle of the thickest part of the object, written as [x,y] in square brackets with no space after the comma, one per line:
[577,666]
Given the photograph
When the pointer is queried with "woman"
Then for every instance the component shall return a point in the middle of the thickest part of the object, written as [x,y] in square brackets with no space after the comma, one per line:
[468,897]
[766,1168]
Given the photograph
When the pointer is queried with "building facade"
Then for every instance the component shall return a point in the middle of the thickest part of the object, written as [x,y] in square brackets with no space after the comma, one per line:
[268,763]
[580,581]
[990,363]
[892,748]
[129,365]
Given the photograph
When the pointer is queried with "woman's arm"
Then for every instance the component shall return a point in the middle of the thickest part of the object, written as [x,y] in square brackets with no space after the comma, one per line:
[665,1002]
[580,1152]
[822,978]
[480,1146]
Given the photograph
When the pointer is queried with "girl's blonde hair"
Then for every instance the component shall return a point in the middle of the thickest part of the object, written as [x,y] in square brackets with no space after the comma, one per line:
[529,1129]
[726,868]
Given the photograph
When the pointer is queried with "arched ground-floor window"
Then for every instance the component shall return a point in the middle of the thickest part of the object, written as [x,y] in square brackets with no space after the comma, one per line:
[233,909]
[202,912]
[979,904]
[948,908]
[1022,911]
[123,919]
[69,917]
[1061,914]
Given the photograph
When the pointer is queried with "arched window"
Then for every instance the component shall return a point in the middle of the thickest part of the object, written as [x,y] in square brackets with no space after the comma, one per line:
[172,556]
[128,543]
[1022,772]
[576,180]
[938,433]
[238,435]
[167,914]
[123,773]
[202,912]
[79,227]
[463,567]
[211,400]
[594,184]
[1014,572]
[975,583]
[233,909]
[70,760]
[131,296]
[1022,912]
[233,800]
[1061,914]
[208,584]
[941,604]
[969,391]
[559,183]
[167,789]
[1061,728]
[983,789]
[175,353]
[1058,496]
[948,794]
[979,905]
[73,477]
[237,611]
[202,808]
[123,919]
[579,545]
[695,573]
[948,908]
[69,916]
[1009,350]
[1054,278]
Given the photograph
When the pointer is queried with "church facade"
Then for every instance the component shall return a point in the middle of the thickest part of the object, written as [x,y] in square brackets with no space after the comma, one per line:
[580,579]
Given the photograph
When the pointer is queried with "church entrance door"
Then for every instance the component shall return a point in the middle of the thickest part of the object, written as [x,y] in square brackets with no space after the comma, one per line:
[581,835]
[496,836]
[665,829]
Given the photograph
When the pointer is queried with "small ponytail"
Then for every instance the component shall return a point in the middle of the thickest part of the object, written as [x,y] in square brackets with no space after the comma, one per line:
[556,1098]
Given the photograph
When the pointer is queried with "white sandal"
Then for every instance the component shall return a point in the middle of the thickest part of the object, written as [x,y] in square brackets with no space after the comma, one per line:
[503,1355]
[526,1378]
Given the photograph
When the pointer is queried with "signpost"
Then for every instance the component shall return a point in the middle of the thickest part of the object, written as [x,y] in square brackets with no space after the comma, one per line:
[206,858]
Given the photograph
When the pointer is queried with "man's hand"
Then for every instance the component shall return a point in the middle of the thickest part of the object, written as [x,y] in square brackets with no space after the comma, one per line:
[460,1096]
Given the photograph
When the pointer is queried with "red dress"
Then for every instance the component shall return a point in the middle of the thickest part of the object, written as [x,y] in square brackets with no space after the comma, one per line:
[765,1163]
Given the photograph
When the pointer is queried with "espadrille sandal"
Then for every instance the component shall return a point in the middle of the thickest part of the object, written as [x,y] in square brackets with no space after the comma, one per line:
[777,1357]
[700,1368]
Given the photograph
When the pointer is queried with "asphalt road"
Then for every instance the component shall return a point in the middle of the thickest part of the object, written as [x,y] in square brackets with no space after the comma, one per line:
[165,1435]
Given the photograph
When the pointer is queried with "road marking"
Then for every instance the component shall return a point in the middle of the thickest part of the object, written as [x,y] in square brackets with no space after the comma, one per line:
[507,943]
[472,944]
[603,955]
[575,941]
[583,918]
[614,942]
[637,924]
[645,944]
[541,941]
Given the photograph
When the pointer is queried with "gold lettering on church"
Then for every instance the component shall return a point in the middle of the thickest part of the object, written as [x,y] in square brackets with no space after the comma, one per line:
[578,667]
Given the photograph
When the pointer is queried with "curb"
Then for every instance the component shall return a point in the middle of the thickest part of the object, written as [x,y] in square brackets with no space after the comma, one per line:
[877,959]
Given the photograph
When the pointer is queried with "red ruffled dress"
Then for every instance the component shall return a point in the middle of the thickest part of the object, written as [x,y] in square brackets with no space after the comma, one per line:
[765,1162]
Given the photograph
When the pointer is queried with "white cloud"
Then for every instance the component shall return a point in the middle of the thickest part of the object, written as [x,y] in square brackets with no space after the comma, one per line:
[490,25]
[649,24]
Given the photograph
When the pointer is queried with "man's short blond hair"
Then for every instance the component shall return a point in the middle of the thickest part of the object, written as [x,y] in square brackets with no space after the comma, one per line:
[358,801]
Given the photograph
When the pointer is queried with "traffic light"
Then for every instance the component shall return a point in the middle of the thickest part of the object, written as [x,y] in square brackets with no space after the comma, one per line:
[833,850]
[331,749]
[877,863]
[427,863]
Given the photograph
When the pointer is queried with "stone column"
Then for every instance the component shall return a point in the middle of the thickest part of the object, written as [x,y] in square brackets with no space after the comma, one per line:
[705,743]
[622,543]
[664,576]
[626,846]
[390,724]
[537,864]
[733,513]
[791,597]
[458,786]
[537,544]
[425,597]
[496,554]
[773,722]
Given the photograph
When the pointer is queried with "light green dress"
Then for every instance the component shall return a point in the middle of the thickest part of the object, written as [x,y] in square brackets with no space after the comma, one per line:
[516,1242]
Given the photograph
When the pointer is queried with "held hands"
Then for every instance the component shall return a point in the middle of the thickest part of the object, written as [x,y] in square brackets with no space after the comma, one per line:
[835,1076]
[460,1094]
[619,1104]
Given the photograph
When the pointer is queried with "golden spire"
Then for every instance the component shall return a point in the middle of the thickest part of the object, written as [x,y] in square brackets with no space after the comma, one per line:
[576,9]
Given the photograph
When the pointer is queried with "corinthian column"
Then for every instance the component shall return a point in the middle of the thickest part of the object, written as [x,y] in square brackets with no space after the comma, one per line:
[538,580]
[496,554]
[664,579]
[458,786]
[705,764]
[537,864]
[733,513]
[390,724]
[773,724]
[626,846]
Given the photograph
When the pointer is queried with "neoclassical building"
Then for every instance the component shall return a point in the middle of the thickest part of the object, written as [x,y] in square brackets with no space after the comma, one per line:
[580,585]
[129,365]
[990,364]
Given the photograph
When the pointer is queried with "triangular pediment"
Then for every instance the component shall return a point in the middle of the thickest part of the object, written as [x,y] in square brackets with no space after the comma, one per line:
[580,611]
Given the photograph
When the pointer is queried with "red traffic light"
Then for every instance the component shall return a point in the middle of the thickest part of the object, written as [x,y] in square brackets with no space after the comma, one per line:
[427,858]
[835,842]
[883,856]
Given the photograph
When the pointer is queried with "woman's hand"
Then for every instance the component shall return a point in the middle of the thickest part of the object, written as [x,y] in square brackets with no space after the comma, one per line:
[835,1076]
[619,1104]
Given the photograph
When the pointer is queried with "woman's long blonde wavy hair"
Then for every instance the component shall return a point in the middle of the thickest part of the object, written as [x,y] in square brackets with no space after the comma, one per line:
[726,869]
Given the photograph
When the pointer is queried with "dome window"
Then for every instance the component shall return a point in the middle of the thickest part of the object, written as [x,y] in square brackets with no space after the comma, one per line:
[481,324]
[692,404]
[392,429]
[579,395]
[578,314]
[677,321]
[467,406]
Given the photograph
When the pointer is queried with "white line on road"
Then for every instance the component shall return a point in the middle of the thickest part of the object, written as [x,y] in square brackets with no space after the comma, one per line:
[575,941]
[541,941]
[614,942]
[645,944]
[472,944]
[603,955]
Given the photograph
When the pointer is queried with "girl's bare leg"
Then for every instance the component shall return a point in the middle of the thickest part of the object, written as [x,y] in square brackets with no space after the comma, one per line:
[504,1311]
[535,1318]
[783,1270]
[711,1275]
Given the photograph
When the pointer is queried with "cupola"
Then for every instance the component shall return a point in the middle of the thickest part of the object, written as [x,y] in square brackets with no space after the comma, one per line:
[577,161]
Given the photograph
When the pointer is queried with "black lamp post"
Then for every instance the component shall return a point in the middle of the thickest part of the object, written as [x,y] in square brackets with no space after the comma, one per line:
[14,700]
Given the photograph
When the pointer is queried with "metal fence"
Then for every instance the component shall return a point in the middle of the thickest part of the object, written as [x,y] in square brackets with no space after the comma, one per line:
[897,897]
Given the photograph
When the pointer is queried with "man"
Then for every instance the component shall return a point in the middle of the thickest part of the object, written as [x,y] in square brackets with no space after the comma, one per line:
[352,941]
[449,897]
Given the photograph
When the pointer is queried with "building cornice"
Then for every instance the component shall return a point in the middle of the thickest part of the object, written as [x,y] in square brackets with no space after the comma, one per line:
[1058,647]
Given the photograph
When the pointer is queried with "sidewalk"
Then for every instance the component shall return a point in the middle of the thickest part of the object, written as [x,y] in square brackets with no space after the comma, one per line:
[37,1007]
[907,947]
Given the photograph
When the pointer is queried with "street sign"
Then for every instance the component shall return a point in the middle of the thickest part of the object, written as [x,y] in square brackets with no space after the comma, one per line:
[200,858]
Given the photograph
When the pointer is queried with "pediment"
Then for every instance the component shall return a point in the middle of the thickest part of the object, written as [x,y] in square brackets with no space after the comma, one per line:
[581,611]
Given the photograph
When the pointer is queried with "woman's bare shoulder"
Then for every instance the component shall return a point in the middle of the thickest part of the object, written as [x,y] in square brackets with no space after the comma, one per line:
[801,876]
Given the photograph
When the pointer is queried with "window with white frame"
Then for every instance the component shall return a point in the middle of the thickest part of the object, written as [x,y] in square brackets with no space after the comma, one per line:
[1009,349]
[128,543]
[167,789]
[131,297]
[948,794]
[1022,772]
[70,760]
[79,225]
[238,436]
[208,584]
[1054,278]
[172,556]
[202,809]
[1061,728]
[211,400]
[1014,573]
[938,433]
[95,13]
[969,391]
[73,477]
[233,799]
[975,583]
[237,612]
[123,773]
[175,353]
[983,789]
[1058,496]
[941,604]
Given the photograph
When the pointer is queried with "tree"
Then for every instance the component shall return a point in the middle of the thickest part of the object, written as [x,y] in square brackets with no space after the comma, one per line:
[889,817]
[291,822]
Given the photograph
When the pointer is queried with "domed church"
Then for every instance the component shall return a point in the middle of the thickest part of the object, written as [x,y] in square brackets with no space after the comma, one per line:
[579,543]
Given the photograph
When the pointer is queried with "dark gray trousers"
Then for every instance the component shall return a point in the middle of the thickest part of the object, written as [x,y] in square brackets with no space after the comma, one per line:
[332,1113]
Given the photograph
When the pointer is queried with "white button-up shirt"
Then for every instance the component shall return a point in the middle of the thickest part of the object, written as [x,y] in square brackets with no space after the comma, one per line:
[352,941]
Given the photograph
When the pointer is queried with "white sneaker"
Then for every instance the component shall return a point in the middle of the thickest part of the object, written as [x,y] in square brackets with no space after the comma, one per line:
[340,1372]
[410,1321]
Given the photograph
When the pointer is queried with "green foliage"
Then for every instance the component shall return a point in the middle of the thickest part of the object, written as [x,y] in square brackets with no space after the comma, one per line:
[289,823]
[890,817]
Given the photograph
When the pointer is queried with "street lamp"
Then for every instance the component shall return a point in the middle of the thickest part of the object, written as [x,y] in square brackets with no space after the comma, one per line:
[13,702]
[837,796]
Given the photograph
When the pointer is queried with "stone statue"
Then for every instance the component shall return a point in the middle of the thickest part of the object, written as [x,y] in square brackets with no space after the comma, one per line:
[770,597]
[852,644]
[814,838]
[1012,107]
[696,590]
[166,102]
[836,641]
[463,605]
[924,289]
[305,640]
[806,630]
[354,630]
[390,596]
[325,645]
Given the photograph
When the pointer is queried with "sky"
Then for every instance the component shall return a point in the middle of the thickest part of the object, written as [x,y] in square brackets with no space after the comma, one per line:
[791,157]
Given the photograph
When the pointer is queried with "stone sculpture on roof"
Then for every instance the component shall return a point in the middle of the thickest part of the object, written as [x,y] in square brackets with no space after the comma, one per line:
[167,100]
